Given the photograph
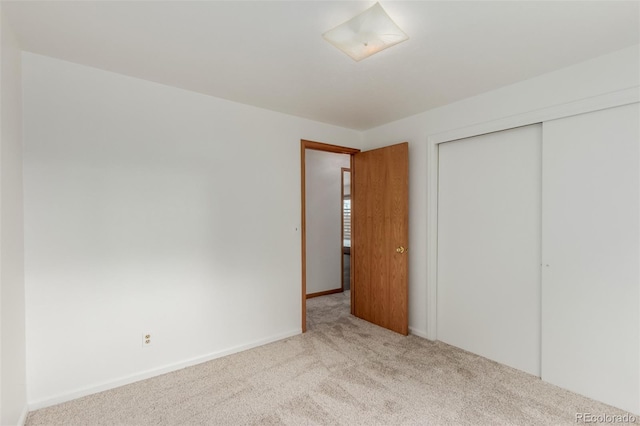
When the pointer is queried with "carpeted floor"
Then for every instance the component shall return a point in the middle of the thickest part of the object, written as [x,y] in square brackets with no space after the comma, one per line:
[343,371]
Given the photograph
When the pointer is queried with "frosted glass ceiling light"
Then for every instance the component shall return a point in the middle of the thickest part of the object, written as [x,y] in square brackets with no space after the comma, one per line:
[366,34]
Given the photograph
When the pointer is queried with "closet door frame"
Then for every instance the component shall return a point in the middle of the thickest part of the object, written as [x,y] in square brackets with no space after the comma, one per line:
[609,100]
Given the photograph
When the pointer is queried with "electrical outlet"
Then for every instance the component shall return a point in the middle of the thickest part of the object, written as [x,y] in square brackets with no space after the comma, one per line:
[146,339]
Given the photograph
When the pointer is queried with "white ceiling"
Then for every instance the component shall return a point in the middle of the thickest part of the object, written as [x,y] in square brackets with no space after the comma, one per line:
[271,54]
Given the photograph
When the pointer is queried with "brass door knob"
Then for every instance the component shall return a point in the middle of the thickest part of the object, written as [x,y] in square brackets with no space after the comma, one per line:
[401,249]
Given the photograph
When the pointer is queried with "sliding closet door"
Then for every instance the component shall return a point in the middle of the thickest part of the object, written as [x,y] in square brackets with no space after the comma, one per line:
[590,286]
[489,246]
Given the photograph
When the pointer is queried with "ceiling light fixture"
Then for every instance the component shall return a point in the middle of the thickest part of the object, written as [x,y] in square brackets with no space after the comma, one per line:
[366,34]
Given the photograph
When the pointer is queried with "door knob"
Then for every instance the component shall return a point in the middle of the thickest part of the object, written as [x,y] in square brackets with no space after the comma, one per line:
[401,249]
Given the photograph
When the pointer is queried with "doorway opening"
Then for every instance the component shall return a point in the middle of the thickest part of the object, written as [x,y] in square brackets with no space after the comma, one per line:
[323,226]
[379,191]
[346,228]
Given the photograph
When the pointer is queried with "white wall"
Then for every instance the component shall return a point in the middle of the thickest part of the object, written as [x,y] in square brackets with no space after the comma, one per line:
[13,394]
[605,74]
[150,208]
[323,175]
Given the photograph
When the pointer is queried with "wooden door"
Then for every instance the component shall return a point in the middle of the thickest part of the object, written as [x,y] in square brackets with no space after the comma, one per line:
[380,234]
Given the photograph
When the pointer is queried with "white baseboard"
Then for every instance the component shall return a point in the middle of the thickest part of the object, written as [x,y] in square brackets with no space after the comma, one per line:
[419,333]
[100,387]
[23,417]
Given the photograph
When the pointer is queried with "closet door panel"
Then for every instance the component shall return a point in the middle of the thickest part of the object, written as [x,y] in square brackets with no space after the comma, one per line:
[590,276]
[489,246]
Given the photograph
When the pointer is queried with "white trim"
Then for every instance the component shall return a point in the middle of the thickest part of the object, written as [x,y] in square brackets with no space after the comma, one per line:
[594,103]
[419,333]
[23,417]
[89,390]
[432,240]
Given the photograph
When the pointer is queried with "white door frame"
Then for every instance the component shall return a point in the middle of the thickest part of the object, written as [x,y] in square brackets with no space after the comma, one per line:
[595,103]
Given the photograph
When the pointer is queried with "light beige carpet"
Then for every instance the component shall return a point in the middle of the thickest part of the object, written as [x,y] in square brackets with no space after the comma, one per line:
[343,371]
